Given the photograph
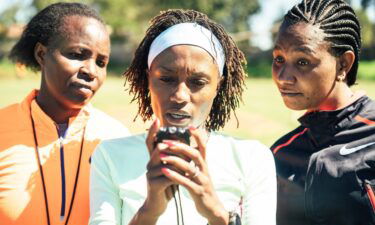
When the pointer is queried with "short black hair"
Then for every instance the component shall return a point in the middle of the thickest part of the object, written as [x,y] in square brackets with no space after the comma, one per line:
[338,21]
[44,27]
[230,92]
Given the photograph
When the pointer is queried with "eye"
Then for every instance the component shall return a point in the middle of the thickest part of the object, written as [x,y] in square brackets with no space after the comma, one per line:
[278,59]
[75,55]
[101,63]
[167,79]
[303,62]
[198,82]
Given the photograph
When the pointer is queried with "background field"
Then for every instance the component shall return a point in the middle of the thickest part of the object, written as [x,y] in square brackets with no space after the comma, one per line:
[262,116]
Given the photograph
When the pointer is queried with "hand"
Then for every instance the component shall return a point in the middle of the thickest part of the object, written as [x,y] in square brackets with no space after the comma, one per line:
[158,193]
[195,179]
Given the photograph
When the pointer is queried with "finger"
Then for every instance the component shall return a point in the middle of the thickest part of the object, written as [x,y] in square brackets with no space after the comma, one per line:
[188,152]
[201,137]
[177,178]
[156,154]
[178,164]
[150,139]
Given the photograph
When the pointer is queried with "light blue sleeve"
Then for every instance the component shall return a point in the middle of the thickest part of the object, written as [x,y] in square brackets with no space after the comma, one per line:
[260,201]
[105,202]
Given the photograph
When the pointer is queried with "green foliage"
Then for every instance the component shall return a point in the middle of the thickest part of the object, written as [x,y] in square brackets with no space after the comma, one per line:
[368,29]
[366,70]
[129,18]
[232,14]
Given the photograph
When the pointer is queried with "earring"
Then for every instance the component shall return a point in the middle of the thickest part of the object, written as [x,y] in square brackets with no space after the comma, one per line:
[340,78]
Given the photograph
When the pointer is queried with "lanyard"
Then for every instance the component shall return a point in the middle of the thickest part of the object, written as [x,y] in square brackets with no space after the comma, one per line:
[42,174]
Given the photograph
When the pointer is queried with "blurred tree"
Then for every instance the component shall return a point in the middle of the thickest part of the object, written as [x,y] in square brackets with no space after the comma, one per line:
[366,3]
[8,16]
[232,14]
[368,32]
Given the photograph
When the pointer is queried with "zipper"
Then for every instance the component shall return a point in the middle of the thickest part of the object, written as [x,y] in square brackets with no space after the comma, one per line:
[370,194]
[63,185]
[61,131]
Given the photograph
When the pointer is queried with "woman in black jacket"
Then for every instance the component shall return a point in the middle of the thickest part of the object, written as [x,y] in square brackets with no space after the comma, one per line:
[326,166]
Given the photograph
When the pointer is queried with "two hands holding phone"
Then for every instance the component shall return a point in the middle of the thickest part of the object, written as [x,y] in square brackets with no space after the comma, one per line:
[174,162]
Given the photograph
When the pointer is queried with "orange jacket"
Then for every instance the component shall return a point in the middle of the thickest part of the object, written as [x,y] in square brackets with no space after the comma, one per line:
[21,191]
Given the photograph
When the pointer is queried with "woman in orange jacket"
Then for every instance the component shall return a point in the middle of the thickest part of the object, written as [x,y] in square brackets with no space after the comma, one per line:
[46,140]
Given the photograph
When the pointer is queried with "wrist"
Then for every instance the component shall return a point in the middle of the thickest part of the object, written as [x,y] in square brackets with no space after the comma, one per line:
[219,218]
[144,216]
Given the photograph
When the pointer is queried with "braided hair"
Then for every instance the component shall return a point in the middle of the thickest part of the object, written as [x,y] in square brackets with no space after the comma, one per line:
[44,28]
[337,20]
[230,92]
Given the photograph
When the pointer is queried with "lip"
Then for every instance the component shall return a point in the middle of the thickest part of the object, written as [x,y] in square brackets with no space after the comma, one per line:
[177,118]
[82,88]
[289,93]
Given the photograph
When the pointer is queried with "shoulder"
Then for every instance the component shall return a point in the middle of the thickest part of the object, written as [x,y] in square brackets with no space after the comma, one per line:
[107,125]
[367,113]
[124,148]
[10,117]
[289,139]
[244,151]
[124,156]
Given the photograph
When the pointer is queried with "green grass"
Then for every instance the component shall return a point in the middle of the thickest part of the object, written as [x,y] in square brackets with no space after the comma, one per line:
[263,115]
[366,70]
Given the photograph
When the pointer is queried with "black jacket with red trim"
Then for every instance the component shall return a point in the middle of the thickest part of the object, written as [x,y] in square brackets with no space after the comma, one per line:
[326,168]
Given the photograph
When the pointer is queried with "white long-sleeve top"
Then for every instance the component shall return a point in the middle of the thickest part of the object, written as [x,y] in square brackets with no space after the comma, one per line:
[242,172]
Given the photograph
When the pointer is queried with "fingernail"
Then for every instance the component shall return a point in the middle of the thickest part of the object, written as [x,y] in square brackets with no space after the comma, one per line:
[163,146]
[191,127]
[169,143]
[165,171]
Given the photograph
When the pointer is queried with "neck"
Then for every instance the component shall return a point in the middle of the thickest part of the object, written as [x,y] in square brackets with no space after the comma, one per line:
[338,99]
[54,109]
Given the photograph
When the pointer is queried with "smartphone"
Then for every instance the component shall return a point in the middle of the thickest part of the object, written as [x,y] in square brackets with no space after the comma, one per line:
[181,134]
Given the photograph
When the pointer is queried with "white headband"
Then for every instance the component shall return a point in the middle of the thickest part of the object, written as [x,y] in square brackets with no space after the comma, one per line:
[190,34]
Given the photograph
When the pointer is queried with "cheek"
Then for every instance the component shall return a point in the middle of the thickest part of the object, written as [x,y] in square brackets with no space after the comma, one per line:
[157,99]
[203,104]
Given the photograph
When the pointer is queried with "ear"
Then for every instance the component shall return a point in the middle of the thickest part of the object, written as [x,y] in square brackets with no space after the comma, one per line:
[346,61]
[39,53]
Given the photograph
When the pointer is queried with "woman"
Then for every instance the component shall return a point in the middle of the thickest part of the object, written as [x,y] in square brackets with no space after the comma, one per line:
[187,72]
[326,166]
[46,140]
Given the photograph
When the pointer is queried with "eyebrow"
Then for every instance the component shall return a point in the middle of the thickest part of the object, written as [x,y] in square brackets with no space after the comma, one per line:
[200,74]
[302,49]
[168,69]
[305,50]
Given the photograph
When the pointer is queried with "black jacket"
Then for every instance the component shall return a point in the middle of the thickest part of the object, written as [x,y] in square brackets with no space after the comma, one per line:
[326,168]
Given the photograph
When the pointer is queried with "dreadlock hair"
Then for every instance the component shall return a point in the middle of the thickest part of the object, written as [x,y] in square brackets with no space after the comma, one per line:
[337,20]
[45,27]
[230,92]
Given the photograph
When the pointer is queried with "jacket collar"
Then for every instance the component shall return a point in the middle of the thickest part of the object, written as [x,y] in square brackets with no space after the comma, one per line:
[76,123]
[323,125]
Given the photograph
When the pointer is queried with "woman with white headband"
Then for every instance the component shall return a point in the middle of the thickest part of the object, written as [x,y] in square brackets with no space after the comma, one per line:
[187,75]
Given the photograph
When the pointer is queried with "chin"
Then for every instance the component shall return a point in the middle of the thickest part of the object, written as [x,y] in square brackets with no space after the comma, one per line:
[294,106]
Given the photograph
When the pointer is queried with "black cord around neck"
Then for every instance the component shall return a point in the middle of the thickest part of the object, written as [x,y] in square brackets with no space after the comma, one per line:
[36,145]
[179,212]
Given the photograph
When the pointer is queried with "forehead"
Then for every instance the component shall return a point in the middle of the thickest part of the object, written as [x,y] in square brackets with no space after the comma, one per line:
[301,35]
[82,29]
[182,56]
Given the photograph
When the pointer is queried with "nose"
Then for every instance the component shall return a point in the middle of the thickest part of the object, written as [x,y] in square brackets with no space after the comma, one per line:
[89,68]
[181,94]
[284,74]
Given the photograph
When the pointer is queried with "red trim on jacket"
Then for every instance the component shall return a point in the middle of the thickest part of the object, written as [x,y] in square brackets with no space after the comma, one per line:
[371,195]
[275,150]
[364,120]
